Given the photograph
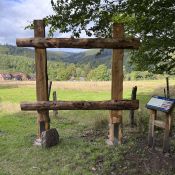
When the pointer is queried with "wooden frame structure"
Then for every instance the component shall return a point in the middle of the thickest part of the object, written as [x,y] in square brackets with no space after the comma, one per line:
[166,125]
[116,104]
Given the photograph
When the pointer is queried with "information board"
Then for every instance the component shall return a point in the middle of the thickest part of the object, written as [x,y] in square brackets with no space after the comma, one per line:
[160,103]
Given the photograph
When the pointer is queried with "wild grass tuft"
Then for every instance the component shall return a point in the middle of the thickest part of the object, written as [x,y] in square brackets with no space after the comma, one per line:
[101,122]
[142,117]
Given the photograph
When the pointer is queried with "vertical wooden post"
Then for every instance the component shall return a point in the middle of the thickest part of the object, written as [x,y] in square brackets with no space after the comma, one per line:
[115,122]
[171,123]
[55,112]
[151,128]
[41,78]
[167,88]
[49,89]
[166,140]
[131,114]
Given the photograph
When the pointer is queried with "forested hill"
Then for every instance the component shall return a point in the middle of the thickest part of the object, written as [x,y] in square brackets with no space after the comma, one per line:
[94,64]
[94,57]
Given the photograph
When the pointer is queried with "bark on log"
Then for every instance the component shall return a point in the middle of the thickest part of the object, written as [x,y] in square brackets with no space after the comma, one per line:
[131,114]
[55,112]
[41,77]
[81,105]
[85,43]
[49,88]
[167,88]
[115,122]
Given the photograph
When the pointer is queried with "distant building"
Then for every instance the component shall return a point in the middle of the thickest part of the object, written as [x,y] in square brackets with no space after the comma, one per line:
[17,77]
[72,78]
[33,77]
[5,76]
[21,76]
[14,76]
[2,77]
[81,78]
[8,76]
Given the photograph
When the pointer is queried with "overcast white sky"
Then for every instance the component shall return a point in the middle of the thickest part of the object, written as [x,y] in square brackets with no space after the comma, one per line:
[16,14]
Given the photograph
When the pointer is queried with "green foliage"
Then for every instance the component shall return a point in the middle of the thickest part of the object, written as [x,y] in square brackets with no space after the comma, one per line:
[100,73]
[140,75]
[77,15]
[88,65]
[152,21]
[13,59]
[16,64]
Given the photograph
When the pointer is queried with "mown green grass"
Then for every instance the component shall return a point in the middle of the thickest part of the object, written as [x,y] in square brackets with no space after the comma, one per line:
[19,94]
[74,155]
[78,153]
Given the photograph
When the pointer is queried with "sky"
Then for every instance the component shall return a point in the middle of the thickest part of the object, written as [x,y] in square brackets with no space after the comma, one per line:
[16,14]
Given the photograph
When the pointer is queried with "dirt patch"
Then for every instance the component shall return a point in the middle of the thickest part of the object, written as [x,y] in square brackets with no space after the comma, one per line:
[135,156]
[144,160]
[92,135]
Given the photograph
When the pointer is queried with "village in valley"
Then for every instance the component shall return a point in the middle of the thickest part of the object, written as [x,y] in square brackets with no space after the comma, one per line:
[15,76]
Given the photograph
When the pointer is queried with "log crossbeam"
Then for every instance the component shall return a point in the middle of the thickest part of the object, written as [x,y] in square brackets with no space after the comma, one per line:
[84,43]
[81,105]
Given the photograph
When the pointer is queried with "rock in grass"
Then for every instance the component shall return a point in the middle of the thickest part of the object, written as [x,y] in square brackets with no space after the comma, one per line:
[49,138]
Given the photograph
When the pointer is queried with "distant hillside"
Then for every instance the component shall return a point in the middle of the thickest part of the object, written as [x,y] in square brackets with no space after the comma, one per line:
[19,51]
[94,57]
[94,64]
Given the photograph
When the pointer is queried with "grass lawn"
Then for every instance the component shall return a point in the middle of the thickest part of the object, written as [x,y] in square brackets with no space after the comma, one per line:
[82,148]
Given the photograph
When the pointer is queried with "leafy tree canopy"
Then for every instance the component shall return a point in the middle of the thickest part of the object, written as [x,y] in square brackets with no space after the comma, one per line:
[153,21]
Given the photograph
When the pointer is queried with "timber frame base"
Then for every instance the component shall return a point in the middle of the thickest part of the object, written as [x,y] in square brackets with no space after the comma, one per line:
[118,43]
[166,125]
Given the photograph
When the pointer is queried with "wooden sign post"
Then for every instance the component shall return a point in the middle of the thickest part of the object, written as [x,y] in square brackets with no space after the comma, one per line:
[165,105]
[115,122]
[41,78]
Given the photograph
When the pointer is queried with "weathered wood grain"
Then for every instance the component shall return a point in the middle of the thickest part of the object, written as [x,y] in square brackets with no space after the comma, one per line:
[153,114]
[159,124]
[84,43]
[81,105]
[166,139]
[115,131]
[41,75]
[55,112]
[131,114]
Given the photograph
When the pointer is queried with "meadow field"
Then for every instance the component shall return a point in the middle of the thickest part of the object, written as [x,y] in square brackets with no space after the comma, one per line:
[82,148]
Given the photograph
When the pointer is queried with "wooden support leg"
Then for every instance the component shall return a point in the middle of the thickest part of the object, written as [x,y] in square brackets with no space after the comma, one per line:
[115,128]
[131,114]
[55,112]
[151,128]
[171,124]
[115,131]
[166,140]
[41,78]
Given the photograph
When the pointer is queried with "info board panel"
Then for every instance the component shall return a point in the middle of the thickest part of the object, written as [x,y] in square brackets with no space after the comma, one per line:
[160,104]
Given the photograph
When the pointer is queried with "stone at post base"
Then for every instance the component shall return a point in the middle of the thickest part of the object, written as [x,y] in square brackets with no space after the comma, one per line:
[49,138]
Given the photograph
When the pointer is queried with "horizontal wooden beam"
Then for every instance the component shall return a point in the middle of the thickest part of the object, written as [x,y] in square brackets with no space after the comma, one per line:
[159,123]
[84,43]
[81,105]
